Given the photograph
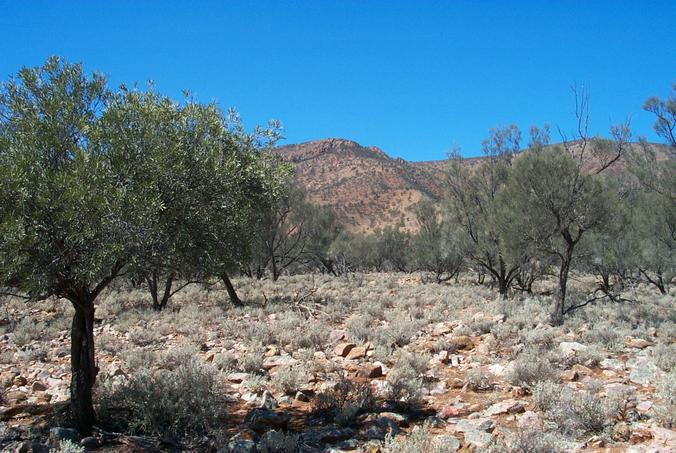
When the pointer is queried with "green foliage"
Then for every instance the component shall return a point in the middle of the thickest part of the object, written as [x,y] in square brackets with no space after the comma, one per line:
[187,401]
[68,220]
[552,218]
[473,204]
[292,234]
[436,248]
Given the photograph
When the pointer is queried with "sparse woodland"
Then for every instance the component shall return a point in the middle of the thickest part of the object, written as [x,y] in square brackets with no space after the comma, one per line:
[167,286]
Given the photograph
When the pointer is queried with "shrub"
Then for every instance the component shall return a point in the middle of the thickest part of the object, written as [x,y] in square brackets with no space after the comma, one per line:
[665,411]
[27,331]
[399,331]
[574,411]
[405,377]
[478,379]
[251,362]
[530,441]
[67,446]
[289,379]
[345,401]
[420,440]
[665,356]
[313,336]
[531,367]
[546,395]
[359,327]
[226,361]
[185,402]
[143,336]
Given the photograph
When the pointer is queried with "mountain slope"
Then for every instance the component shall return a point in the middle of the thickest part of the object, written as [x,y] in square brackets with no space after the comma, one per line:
[366,188]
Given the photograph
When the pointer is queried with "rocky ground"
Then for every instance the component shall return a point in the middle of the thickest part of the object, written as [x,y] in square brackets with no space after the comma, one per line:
[378,362]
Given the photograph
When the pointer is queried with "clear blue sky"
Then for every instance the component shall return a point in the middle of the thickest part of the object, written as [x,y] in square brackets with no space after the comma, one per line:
[413,78]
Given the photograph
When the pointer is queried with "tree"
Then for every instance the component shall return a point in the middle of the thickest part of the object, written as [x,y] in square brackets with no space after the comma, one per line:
[654,207]
[665,117]
[209,175]
[393,246]
[554,196]
[292,233]
[87,193]
[68,222]
[473,190]
[436,247]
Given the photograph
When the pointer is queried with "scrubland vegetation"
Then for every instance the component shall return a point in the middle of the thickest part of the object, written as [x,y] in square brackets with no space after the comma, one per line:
[532,310]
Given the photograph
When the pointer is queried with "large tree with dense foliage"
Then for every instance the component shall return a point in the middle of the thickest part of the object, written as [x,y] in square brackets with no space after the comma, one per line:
[87,193]
[212,180]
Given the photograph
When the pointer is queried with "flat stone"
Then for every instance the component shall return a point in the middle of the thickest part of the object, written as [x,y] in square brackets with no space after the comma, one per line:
[343,349]
[442,328]
[16,396]
[569,348]
[529,419]
[637,343]
[39,386]
[237,377]
[446,442]
[399,419]
[242,446]
[479,424]
[56,435]
[91,443]
[20,381]
[505,407]
[279,360]
[645,372]
[644,406]
[357,352]
[479,440]
[451,411]
[370,371]
[262,420]
[569,375]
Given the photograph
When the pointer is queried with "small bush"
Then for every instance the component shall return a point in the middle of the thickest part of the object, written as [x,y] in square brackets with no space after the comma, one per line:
[420,440]
[359,327]
[405,377]
[345,401]
[67,446]
[251,362]
[27,331]
[185,403]
[574,412]
[289,379]
[478,379]
[530,441]
[665,411]
[313,336]
[665,356]
[226,361]
[531,367]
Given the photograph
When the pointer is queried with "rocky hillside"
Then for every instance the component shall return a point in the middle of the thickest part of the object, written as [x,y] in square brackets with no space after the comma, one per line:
[365,187]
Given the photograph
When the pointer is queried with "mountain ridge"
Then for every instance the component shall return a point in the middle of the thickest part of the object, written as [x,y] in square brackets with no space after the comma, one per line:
[363,185]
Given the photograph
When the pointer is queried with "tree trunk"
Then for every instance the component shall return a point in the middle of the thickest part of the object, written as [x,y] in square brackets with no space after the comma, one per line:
[560,306]
[234,298]
[153,283]
[83,366]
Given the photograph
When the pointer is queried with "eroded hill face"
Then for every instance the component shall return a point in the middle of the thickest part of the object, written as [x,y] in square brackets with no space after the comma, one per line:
[368,189]
[364,186]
